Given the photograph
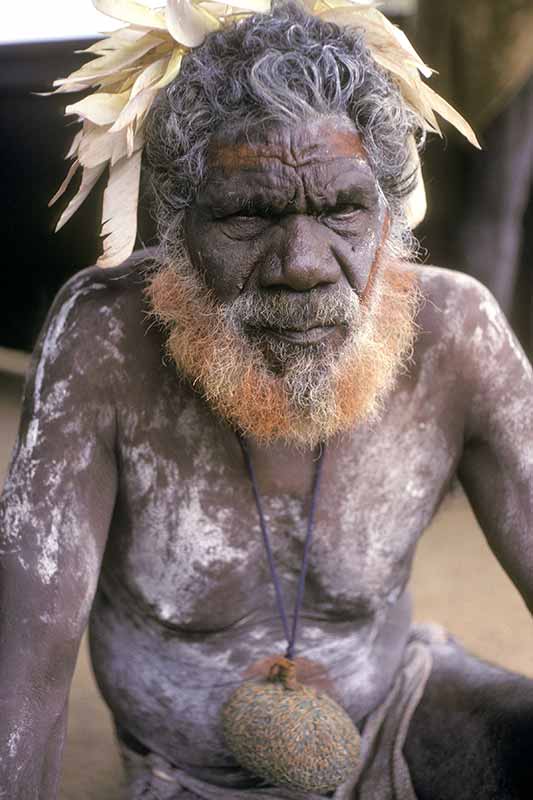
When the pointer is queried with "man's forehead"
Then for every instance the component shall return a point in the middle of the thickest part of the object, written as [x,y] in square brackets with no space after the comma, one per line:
[294,145]
[306,163]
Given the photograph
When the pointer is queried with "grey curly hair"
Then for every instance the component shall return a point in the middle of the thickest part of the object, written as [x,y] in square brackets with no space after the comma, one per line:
[285,66]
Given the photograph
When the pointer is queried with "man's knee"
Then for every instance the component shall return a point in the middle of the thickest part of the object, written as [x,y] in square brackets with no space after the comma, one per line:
[471,737]
[510,734]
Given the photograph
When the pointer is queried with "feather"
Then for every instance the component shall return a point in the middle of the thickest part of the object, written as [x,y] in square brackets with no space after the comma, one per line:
[100,83]
[189,24]
[452,116]
[113,62]
[75,144]
[125,144]
[114,41]
[173,68]
[380,33]
[64,186]
[100,108]
[74,87]
[120,211]
[410,86]
[142,95]
[134,109]
[129,141]
[132,12]
[88,180]
[96,146]
[126,34]
[255,6]
[393,51]
[227,11]
[395,34]
[317,7]
[216,8]
[415,205]
[125,81]
[151,75]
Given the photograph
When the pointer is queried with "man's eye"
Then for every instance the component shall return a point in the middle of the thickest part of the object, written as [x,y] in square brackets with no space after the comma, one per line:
[243,227]
[344,214]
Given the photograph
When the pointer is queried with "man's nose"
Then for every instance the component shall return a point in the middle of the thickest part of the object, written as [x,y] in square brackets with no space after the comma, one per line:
[301,258]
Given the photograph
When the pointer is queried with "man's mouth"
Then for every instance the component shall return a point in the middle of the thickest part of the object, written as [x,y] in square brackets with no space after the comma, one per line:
[313,334]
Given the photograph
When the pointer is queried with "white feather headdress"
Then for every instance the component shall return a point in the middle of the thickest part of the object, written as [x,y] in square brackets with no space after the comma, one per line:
[134,63]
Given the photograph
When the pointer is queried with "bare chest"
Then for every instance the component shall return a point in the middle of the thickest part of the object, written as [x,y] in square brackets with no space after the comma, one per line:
[186,540]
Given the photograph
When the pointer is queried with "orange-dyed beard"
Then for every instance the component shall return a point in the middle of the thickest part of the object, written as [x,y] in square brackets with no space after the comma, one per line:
[311,396]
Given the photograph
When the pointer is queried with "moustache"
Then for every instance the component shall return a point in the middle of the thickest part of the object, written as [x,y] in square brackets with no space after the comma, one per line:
[282,309]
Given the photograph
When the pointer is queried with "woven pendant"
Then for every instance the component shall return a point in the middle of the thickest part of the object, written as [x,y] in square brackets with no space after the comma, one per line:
[290,734]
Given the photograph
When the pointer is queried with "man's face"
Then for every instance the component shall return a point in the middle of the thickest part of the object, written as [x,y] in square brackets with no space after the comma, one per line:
[290,217]
[283,308]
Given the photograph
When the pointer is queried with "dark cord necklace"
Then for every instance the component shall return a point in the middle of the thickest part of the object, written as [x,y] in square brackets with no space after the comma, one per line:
[290,633]
[278,729]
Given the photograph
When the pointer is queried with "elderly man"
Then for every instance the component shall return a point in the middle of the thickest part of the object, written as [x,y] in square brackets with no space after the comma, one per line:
[281,306]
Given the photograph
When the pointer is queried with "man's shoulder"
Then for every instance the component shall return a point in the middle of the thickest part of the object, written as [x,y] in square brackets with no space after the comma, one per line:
[454,304]
[99,315]
[450,287]
[95,286]
[462,323]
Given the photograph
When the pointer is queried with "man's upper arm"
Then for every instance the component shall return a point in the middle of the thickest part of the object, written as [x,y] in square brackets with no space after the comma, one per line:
[497,464]
[59,495]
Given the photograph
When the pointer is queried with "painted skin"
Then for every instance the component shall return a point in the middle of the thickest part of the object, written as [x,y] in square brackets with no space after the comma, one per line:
[122,474]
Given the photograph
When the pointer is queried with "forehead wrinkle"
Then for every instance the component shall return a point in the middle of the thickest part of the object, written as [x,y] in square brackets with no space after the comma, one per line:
[339,177]
[290,147]
[317,182]
[223,198]
[230,162]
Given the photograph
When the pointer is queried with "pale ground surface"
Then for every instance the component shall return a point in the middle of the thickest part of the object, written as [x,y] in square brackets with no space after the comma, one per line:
[456,582]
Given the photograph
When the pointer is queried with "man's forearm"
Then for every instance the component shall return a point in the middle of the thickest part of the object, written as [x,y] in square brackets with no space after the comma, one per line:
[31,745]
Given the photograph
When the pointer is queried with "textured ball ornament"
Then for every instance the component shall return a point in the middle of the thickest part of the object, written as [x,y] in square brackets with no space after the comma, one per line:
[290,734]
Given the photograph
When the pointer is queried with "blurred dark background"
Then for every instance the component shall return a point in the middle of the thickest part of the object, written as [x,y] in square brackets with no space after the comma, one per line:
[34,138]
[480,209]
